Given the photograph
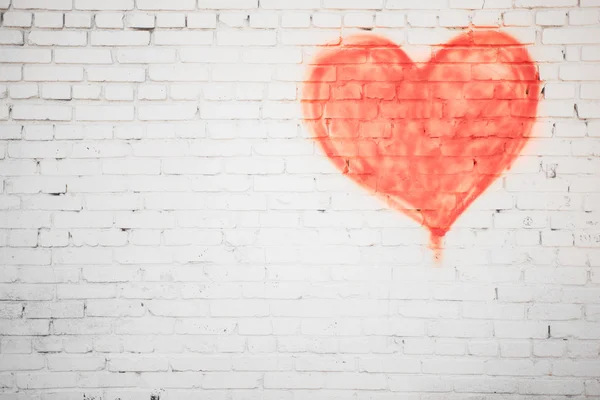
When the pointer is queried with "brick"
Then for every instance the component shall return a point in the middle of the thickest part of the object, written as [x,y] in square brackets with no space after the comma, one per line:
[115,74]
[78,20]
[569,36]
[140,21]
[10,73]
[146,56]
[108,5]
[49,20]
[42,113]
[56,74]
[11,37]
[180,73]
[110,20]
[167,112]
[545,3]
[24,91]
[26,56]
[201,21]
[551,18]
[183,38]
[227,4]
[290,4]
[160,5]
[125,38]
[170,20]
[152,92]
[17,19]
[87,92]
[247,38]
[43,4]
[57,38]
[104,113]
[82,56]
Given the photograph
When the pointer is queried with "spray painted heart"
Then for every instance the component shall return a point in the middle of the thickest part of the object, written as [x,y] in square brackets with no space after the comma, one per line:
[428,138]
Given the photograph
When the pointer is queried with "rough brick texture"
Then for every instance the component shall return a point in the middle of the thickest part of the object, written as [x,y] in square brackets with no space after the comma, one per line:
[169,229]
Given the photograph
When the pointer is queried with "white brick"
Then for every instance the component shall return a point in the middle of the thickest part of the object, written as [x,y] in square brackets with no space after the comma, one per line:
[104,113]
[16,346]
[588,109]
[17,19]
[246,38]
[26,56]
[170,20]
[56,91]
[78,20]
[57,38]
[359,20]
[554,387]
[486,18]
[22,238]
[201,21]
[264,20]
[559,91]
[584,17]
[327,20]
[545,3]
[590,53]
[140,21]
[21,362]
[23,91]
[160,5]
[125,38]
[82,56]
[233,19]
[43,4]
[407,4]
[107,5]
[580,72]
[167,112]
[355,4]
[152,92]
[115,74]
[56,74]
[227,4]
[454,19]
[11,37]
[118,93]
[44,113]
[183,38]
[49,20]
[518,18]
[290,4]
[179,73]
[109,20]
[570,36]
[87,92]
[467,4]
[420,19]
[145,56]
[10,73]
[551,18]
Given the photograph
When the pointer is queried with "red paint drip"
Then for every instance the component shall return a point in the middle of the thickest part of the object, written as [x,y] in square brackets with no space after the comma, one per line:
[428,138]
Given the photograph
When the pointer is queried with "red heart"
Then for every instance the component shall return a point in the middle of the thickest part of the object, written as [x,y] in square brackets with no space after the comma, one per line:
[428,138]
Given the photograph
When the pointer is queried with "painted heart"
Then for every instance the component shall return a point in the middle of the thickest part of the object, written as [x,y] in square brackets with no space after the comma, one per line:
[430,137]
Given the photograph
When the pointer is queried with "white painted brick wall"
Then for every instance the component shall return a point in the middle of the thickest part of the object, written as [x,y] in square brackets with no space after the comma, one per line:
[169,230]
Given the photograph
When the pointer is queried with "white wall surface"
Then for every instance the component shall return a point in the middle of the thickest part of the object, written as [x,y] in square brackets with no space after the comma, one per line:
[169,229]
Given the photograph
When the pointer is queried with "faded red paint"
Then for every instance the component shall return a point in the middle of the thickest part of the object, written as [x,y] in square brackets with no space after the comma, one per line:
[428,138]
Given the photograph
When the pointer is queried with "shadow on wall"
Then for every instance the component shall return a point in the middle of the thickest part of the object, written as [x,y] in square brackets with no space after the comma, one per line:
[428,138]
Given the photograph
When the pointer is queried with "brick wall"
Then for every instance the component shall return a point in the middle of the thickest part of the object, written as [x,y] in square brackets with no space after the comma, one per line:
[169,229]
